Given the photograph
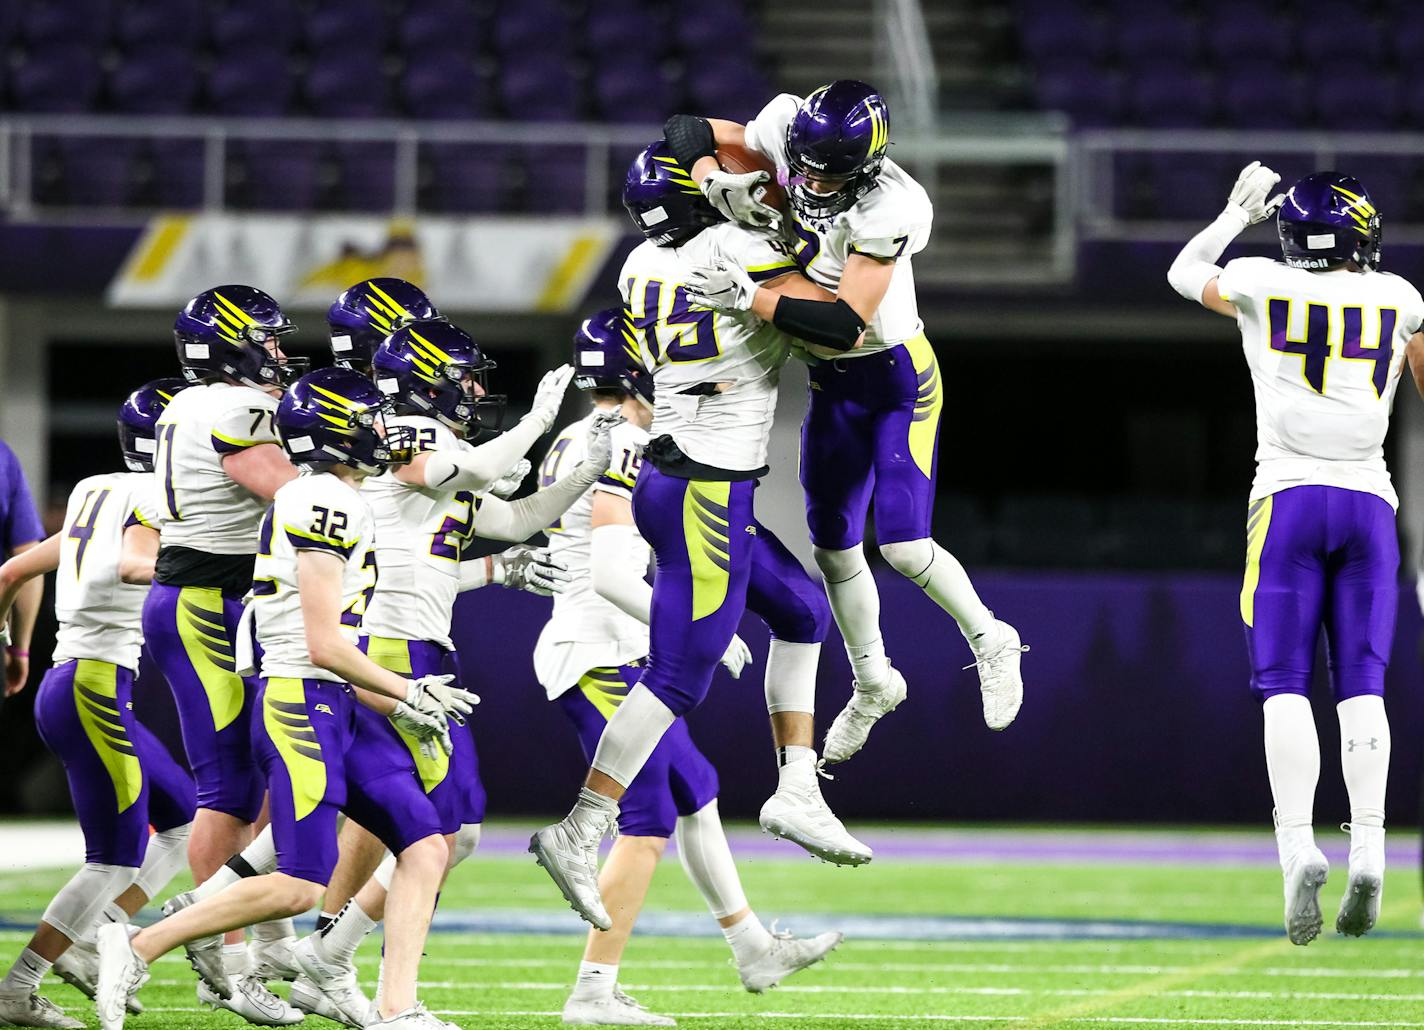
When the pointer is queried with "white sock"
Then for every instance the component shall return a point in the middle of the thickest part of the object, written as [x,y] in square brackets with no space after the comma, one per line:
[234,959]
[274,930]
[749,940]
[1292,758]
[855,602]
[167,853]
[339,941]
[261,854]
[791,676]
[707,860]
[25,975]
[467,839]
[596,981]
[220,880]
[939,574]
[632,734]
[796,766]
[1364,756]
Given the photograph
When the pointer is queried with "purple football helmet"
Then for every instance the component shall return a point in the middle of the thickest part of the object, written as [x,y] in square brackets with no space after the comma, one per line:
[138,419]
[365,314]
[336,416]
[606,356]
[435,368]
[663,201]
[225,332]
[838,138]
[1328,219]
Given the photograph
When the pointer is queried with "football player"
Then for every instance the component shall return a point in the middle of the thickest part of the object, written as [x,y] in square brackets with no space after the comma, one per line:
[121,778]
[591,652]
[1326,336]
[314,576]
[871,431]
[716,377]
[425,512]
[365,314]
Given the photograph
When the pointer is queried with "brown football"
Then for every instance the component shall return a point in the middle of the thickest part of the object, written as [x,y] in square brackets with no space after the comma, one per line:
[738,159]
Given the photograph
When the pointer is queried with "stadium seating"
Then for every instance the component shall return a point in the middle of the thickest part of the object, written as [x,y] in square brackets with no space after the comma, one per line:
[340,59]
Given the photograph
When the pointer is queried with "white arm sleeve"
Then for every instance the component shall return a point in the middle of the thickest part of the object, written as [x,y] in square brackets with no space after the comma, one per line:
[477,573]
[1195,265]
[476,468]
[519,520]
[616,576]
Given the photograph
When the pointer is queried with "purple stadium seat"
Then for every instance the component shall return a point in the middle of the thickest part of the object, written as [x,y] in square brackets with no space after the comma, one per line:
[177,172]
[732,87]
[723,25]
[612,29]
[55,80]
[98,172]
[1257,96]
[631,91]
[464,177]
[1064,35]
[531,27]
[441,26]
[9,24]
[346,26]
[261,25]
[1406,36]
[1171,98]
[1412,98]
[1093,98]
[367,175]
[554,178]
[1326,43]
[1351,100]
[339,85]
[155,81]
[534,91]
[144,24]
[445,85]
[260,85]
[284,177]
[1151,37]
[51,23]
[1188,186]
[1249,34]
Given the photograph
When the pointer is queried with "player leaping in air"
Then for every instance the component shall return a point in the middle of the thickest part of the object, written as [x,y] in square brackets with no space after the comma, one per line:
[871,433]
[1326,336]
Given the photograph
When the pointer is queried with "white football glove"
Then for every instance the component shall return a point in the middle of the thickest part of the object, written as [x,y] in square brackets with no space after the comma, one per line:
[1248,196]
[737,658]
[531,568]
[739,198]
[721,287]
[549,396]
[431,731]
[435,696]
[598,452]
[506,485]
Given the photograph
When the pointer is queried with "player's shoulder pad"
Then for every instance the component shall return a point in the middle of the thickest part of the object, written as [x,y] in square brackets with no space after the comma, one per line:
[640,259]
[430,433]
[320,511]
[893,220]
[1240,276]
[761,258]
[242,418]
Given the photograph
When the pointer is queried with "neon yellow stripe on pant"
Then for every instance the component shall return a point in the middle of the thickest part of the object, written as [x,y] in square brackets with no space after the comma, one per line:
[1258,523]
[929,401]
[210,651]
[708,547]
[96,701]
[604,688]
[394,654]
[284,716]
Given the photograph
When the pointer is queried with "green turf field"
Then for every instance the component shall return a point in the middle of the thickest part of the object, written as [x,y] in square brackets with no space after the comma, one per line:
[1229,966]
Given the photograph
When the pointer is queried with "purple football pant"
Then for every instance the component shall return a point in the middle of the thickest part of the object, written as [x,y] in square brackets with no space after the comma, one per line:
[676,780]
[303,737]
[783,595]
[871,433]
[452,783]
[189,631]
[1320,556]
[84,713]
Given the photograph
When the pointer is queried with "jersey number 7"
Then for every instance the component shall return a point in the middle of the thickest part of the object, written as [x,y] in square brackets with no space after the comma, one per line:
[1314,350]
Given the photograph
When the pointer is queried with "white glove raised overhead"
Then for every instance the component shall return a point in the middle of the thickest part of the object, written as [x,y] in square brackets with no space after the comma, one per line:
[721,287]
[549,396]
[1248,196]
[739,198]
[435,696]
[506,485]
[598,452]
[431,731]
[737,657]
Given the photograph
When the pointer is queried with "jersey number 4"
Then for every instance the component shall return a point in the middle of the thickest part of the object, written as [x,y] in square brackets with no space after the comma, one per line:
[1314,350]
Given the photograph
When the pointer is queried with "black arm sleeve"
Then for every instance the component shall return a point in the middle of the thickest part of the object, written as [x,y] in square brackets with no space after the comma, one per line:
[690,139]
[816,321]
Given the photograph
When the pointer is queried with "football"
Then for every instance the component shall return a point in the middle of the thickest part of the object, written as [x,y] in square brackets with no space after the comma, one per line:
[738,159]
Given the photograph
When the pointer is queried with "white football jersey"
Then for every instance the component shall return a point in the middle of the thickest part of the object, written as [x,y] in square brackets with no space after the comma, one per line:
[1325,351]
[99,615]
[202,507]
[585,631]
[892,221]
[312,512]
[420,533]
[732,361]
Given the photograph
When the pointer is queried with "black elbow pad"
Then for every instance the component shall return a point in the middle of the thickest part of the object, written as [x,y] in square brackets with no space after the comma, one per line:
[816,321]
[690,139]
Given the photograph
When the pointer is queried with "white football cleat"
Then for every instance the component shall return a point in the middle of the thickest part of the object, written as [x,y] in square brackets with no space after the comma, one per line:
[786,955]
[416,1018]
[865,708]
[1305,870]
[997,655]
[79,967]
[306,996]
[204,954]
[20,1009]
[121,974]
[619,1009]
[568,851]
[272,960]
[798,813]
[253,1002]
[335,981]
[1360,906]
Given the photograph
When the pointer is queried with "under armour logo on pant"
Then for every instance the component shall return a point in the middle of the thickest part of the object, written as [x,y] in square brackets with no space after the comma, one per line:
[1352,744]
